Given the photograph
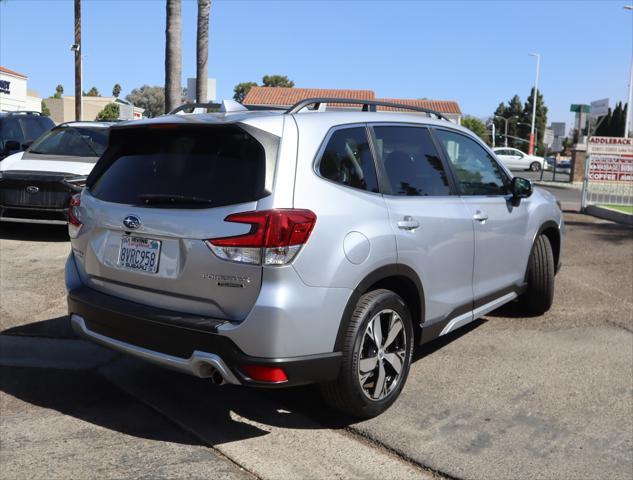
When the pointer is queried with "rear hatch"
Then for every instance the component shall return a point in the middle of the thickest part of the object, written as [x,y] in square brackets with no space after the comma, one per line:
[155,196]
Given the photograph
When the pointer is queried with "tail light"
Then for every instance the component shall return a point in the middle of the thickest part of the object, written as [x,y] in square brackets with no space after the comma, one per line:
[265,373]
[74,224]
[275,238]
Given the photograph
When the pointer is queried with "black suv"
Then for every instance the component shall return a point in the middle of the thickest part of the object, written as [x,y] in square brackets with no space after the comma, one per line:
[19,129]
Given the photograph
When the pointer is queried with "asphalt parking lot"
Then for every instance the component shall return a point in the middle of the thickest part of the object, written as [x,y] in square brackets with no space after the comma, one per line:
[506,397]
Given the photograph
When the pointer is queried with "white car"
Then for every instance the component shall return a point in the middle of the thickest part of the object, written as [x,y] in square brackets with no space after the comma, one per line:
[515,159]
[36,185]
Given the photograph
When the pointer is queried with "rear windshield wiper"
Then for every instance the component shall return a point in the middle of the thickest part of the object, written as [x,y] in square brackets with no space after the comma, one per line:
[167,199]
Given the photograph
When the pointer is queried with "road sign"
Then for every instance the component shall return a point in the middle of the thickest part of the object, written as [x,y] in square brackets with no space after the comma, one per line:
[548,136]
[579,108]
[558,128]
[599,108]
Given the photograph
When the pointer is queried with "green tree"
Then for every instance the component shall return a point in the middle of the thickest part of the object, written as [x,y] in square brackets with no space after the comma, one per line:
[45,111]
[612,124]
[93,92]
[241,90]
[477,127]
[512,111]
[152,99]
[109,113]
[116,90]
[277,81]
[540,123]
[515,109]
[59,90]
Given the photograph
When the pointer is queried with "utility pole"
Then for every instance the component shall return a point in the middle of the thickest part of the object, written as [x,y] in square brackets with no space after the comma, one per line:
[534,100]
[77,49]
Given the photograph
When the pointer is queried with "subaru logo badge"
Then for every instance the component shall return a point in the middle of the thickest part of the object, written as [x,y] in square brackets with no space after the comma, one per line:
[32,189]
[132,222]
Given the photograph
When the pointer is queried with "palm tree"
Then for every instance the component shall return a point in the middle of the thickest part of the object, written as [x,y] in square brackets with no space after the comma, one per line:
[202,50]
[173,55]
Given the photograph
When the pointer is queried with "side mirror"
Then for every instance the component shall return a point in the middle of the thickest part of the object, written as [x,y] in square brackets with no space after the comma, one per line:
[520,188]
[11,146]
[26,145]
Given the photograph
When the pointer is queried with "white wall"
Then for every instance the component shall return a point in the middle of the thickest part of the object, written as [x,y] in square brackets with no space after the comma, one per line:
[17,98]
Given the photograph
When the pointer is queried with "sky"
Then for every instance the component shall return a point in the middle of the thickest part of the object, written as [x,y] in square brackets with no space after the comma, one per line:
[473,52]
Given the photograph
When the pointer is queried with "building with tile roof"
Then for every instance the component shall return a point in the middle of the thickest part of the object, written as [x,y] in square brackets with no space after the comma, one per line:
[285,97]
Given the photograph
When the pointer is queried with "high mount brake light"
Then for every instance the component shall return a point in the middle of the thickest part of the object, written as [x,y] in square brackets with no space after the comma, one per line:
[74,224]
[275,238]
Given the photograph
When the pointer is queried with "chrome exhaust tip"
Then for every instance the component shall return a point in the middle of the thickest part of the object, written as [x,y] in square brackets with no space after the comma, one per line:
[208,370]
[217,378]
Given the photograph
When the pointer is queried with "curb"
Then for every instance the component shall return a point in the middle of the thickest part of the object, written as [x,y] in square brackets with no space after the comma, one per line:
[609,214]
[561,185]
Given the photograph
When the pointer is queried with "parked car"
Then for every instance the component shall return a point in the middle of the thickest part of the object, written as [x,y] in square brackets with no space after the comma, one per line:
[36,185]
[19,129]
[280,248]
[515,159]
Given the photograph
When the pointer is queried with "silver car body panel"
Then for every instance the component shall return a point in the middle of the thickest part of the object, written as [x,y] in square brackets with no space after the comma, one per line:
[296,310]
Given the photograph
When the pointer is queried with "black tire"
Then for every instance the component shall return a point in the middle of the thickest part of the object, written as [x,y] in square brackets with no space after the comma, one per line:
[346,393]
[535,167]
[540,277]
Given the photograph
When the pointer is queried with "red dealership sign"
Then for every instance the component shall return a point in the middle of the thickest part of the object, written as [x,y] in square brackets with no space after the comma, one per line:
[610,159]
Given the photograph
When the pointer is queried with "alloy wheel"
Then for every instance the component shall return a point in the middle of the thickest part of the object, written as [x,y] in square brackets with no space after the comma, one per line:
[382,354]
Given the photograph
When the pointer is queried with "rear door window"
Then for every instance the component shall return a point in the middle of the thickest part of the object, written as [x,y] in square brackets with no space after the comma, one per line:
[411,161]
[10,129]
[35,126]
[347,159]
[181,167]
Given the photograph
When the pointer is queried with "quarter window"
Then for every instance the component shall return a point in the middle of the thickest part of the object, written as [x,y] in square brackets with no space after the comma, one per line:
[347,160]
[477,172]
[411,161]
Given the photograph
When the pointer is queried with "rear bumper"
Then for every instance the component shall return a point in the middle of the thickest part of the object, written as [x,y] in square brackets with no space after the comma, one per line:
[183,342]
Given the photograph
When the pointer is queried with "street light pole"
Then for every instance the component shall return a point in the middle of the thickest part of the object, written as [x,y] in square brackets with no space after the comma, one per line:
[492,126]
[534,100]
[627,121]
[505,141]
[527,125]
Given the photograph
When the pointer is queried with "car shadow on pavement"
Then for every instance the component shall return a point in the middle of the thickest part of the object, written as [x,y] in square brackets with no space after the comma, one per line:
[33,232]
[53,328]
[109,395]
[85,396]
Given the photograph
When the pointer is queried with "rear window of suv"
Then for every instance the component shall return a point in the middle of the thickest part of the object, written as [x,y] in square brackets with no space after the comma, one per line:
[181,167]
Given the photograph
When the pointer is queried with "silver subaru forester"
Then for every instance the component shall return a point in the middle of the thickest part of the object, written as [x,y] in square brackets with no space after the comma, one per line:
[311,245]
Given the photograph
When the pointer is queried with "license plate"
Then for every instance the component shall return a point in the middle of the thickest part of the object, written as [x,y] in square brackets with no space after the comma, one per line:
[139,253]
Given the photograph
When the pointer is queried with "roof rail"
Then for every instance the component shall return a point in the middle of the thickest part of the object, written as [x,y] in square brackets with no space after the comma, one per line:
[225,107]
[25,112]
[368,105]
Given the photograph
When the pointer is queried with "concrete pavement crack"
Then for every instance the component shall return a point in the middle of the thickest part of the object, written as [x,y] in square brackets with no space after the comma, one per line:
[362,437]
[179,425]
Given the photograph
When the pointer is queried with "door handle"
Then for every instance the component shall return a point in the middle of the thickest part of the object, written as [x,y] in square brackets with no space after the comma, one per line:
[480,216]
[408,223]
